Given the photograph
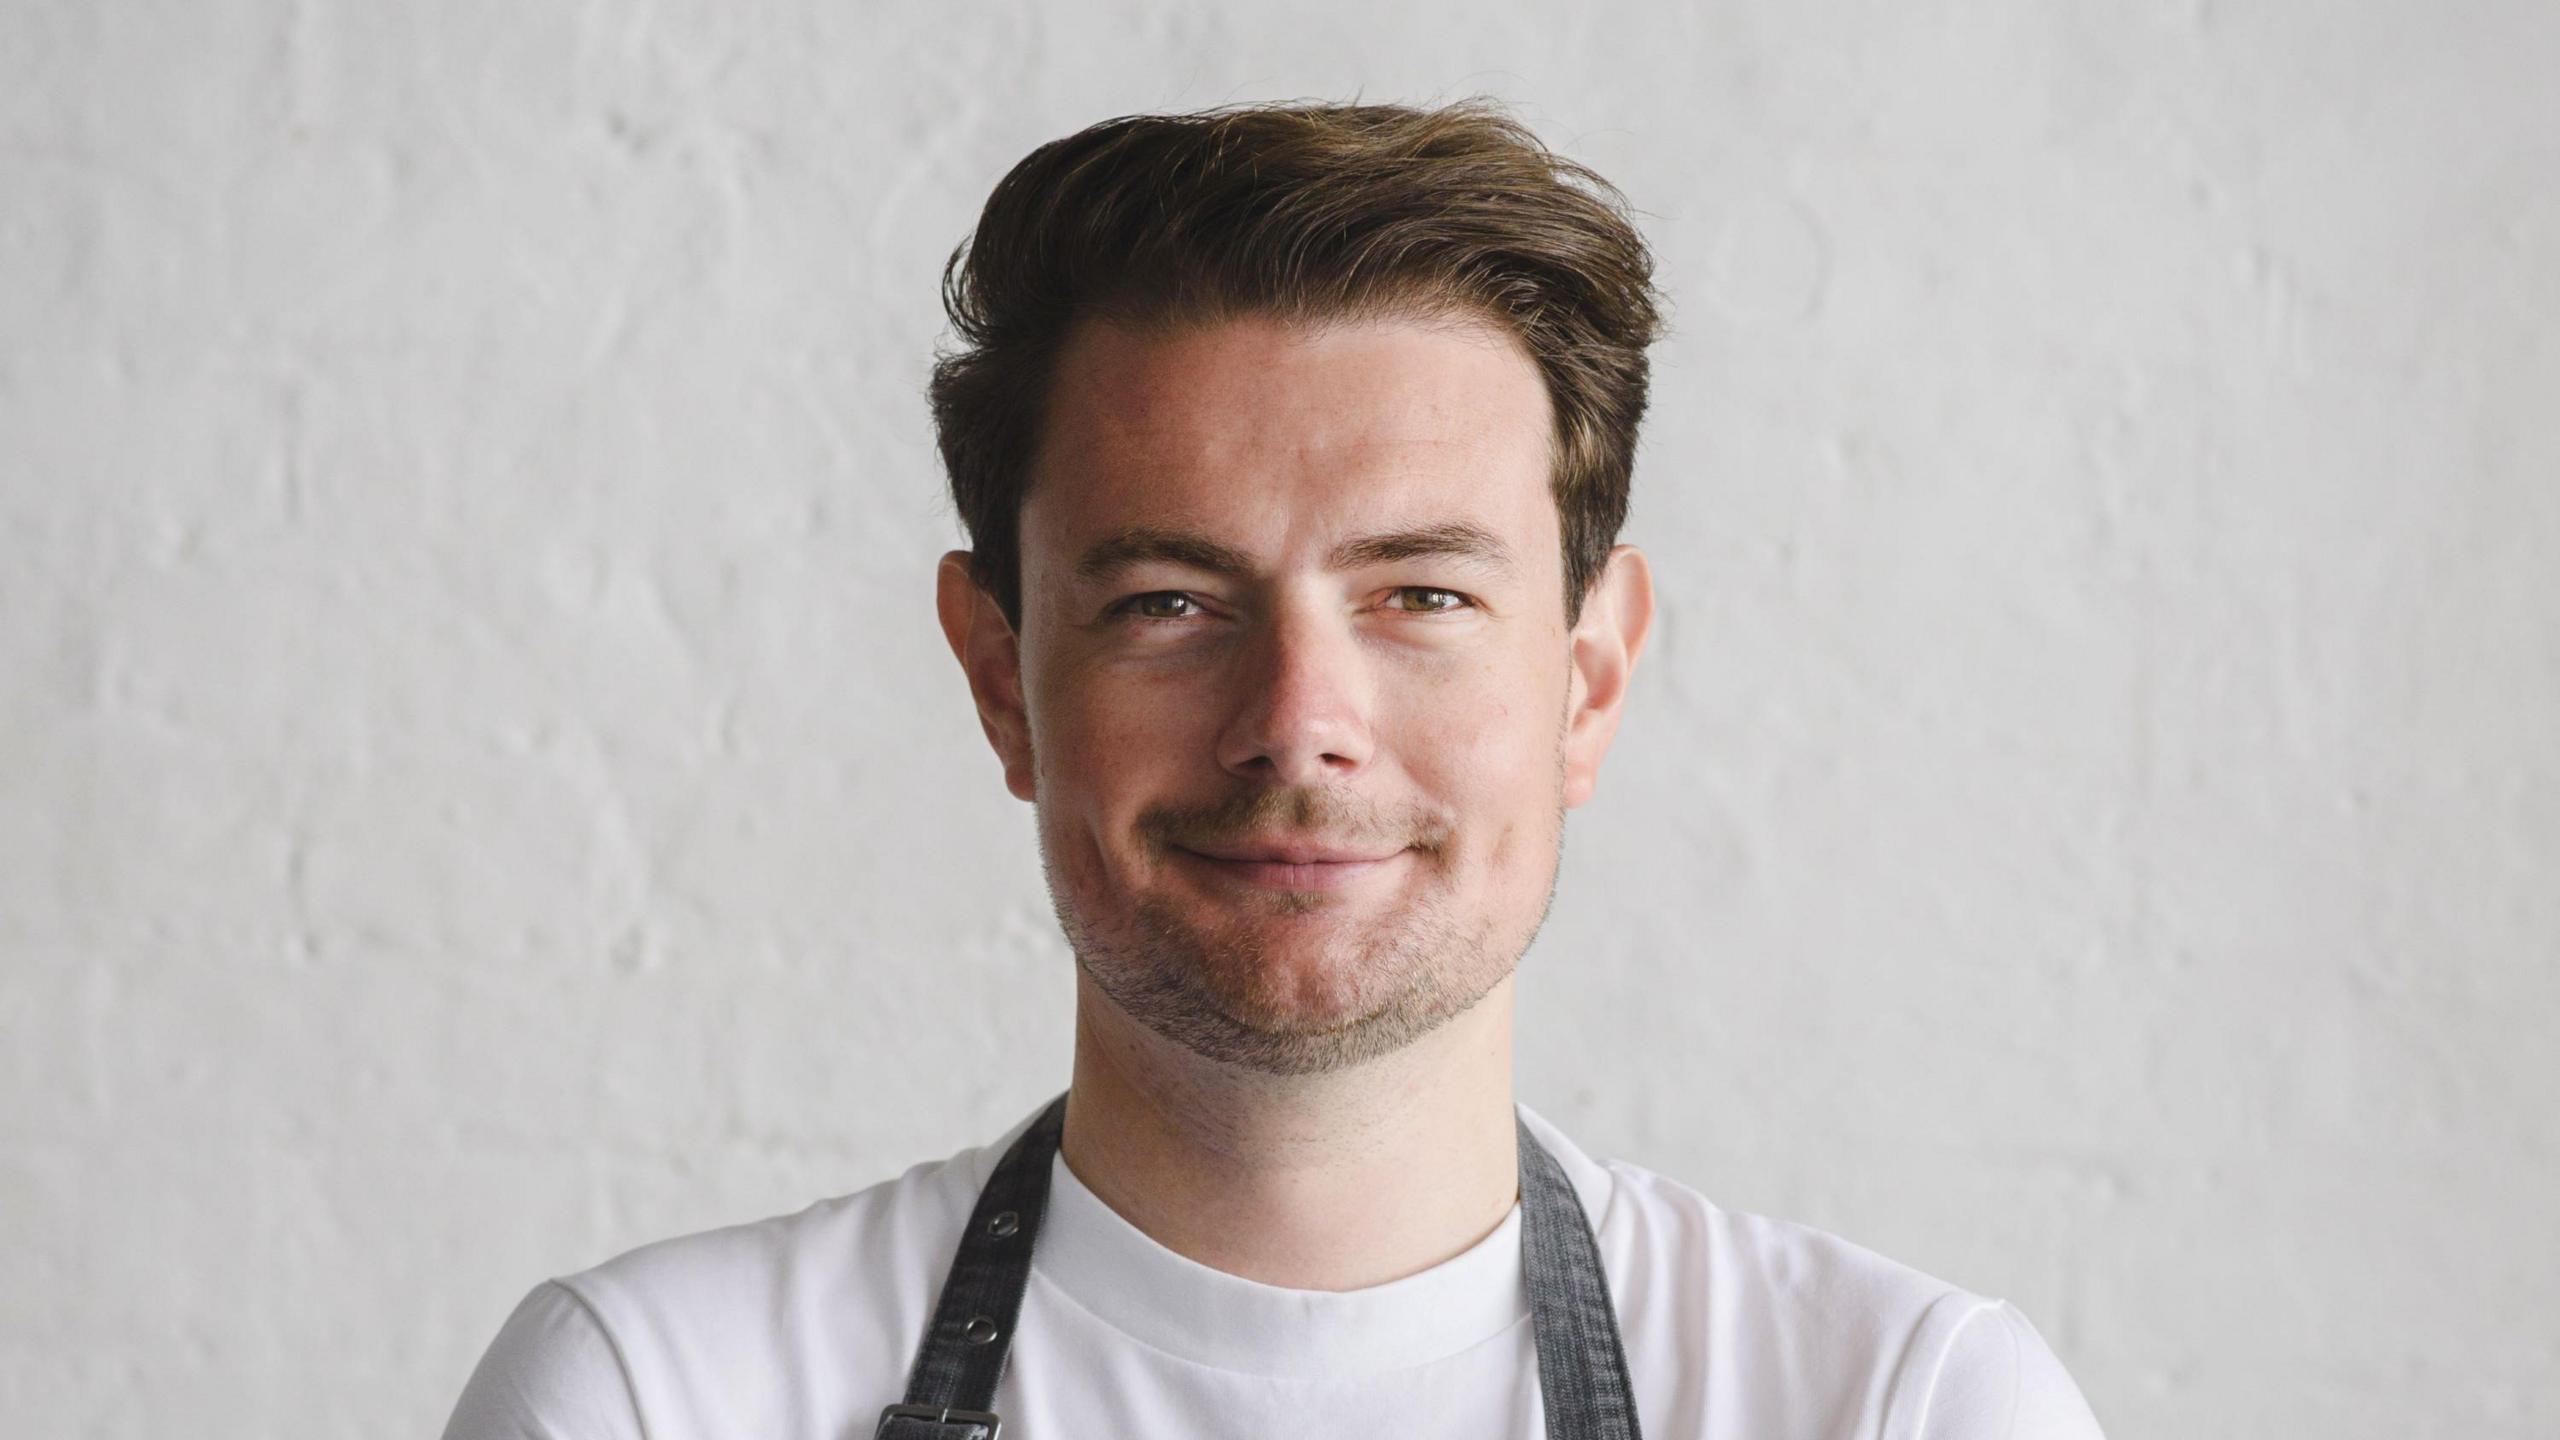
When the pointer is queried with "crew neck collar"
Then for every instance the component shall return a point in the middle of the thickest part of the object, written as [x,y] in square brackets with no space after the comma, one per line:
[1119,1274]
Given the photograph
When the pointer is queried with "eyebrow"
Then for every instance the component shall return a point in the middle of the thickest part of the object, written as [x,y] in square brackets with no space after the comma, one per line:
[1141,544]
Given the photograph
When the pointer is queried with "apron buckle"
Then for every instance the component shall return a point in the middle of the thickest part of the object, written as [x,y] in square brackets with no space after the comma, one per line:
[935,1422]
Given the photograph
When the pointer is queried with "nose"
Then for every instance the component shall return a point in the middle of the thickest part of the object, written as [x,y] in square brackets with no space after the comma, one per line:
[1299,707]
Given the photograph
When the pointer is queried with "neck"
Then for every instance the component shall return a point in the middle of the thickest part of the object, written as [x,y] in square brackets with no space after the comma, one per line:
[1315,1182]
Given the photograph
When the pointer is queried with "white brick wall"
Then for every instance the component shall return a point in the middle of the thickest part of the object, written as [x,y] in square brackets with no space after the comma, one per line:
[480,786]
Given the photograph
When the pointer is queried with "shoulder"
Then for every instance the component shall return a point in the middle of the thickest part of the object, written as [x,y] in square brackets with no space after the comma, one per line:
[759,1319]
[714,1281]
[1816,1324]
[1796,1288]
[1994,1377]
[551,1372]
[1680,1261]
[1787,1328]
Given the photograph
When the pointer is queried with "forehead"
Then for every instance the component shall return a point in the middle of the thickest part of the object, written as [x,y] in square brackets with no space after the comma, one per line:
[1271,435]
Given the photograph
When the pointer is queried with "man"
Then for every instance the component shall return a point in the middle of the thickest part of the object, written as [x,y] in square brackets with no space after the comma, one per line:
[1292,443]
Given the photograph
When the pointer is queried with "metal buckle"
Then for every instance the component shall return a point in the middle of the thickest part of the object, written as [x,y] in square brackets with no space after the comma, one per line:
[937,1415]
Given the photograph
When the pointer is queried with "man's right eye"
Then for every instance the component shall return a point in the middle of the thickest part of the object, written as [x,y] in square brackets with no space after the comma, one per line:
[1159,605]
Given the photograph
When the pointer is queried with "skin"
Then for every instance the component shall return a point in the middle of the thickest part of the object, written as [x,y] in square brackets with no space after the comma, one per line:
[1301,798]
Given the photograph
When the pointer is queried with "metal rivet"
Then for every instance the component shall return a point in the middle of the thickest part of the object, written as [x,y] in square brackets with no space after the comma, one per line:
[1004,1224]
[981,1330]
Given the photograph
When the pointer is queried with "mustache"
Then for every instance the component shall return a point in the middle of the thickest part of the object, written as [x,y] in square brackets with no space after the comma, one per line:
[1332,815]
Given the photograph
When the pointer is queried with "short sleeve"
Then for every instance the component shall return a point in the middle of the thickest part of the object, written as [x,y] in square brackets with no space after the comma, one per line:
[552,1373]
[1999,1380]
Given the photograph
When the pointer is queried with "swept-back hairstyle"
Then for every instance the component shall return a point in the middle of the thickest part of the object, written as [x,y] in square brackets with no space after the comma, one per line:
[1301,212]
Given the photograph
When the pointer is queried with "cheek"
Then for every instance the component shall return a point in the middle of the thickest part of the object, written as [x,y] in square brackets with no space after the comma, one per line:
[1488,758]
[1107,751]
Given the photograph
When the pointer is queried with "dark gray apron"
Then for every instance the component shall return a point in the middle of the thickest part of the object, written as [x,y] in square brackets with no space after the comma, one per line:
[1582,1369]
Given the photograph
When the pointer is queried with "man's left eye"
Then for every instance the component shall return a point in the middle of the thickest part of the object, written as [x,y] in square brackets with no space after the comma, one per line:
[1431,601]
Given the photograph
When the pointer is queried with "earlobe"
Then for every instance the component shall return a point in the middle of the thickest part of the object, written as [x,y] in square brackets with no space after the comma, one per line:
[1616,617]
[990,655]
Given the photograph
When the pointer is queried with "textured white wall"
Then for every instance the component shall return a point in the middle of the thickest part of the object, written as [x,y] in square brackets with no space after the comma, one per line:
[481,787]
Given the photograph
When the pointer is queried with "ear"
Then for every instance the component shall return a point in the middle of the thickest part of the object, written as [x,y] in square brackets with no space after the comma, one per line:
[1616,617]
[991,656]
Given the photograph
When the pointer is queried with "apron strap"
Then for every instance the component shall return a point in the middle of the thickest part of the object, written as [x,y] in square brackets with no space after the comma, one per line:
[1582,1367]
[951,1393]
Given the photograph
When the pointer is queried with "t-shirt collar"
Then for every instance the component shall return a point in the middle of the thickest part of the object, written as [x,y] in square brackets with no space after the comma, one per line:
[1124,1278]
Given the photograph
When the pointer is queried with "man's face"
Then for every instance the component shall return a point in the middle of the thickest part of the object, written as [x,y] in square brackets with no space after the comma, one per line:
[1295,683]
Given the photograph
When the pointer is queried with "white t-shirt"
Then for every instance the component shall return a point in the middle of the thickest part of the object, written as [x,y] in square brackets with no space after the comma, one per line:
[800,1327]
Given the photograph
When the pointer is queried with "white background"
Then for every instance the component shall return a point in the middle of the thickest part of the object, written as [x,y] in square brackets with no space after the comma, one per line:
[481,786]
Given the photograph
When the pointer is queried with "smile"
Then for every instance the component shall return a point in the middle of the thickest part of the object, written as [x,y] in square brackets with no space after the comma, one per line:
[1292,872]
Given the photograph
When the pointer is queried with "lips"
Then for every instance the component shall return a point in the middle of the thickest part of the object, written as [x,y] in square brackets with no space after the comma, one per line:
[1295,854]
[1294,865]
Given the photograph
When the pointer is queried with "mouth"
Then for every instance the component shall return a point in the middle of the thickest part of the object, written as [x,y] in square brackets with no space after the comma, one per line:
[1293,867]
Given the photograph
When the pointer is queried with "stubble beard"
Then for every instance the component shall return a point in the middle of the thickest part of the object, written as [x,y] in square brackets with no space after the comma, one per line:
[1219,991]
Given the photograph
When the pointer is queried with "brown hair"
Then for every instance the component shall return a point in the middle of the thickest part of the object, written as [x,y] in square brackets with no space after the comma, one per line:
[1305,212]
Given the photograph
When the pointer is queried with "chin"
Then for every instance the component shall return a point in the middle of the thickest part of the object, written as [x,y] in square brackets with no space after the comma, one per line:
[1289,994]
[1299,984]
